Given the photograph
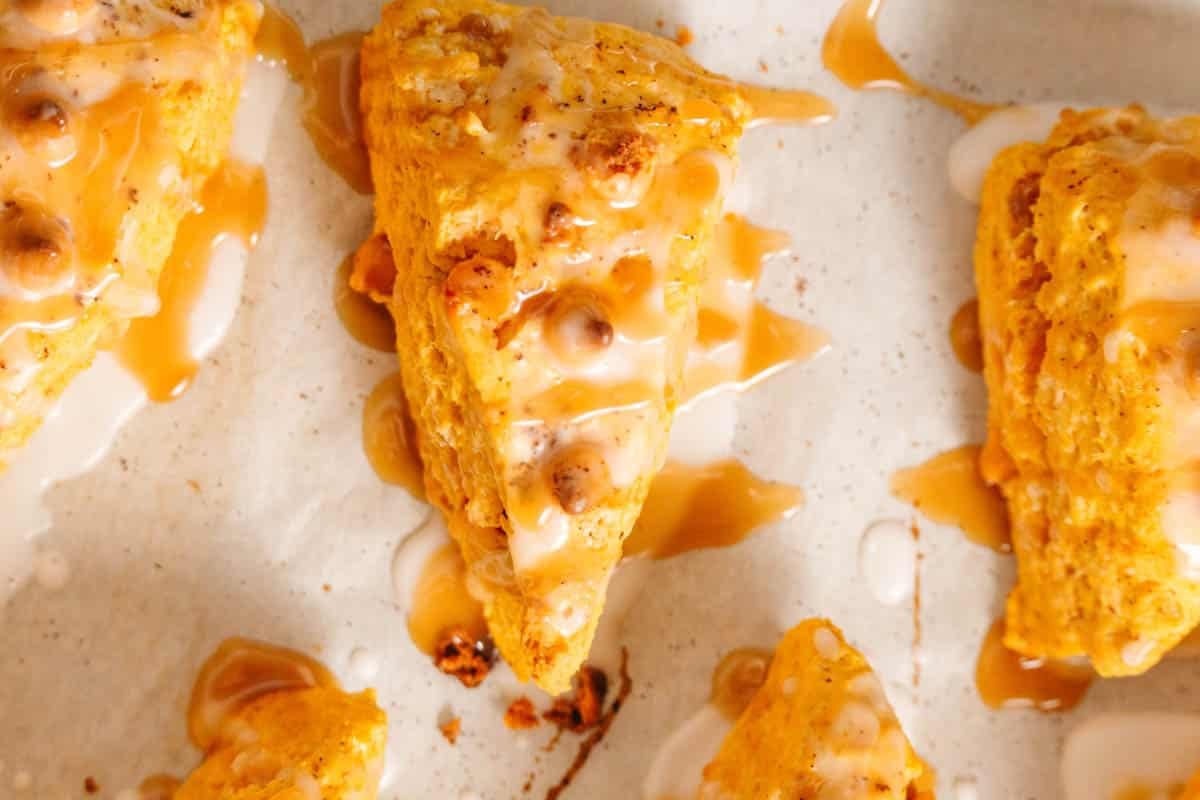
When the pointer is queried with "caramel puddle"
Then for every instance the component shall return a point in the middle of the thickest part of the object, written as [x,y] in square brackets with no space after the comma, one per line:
[965,336]
[442,601]
[715,505]
[390,436]
[950,489]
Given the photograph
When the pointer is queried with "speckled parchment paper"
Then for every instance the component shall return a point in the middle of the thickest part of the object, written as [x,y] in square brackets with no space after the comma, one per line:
[231,511]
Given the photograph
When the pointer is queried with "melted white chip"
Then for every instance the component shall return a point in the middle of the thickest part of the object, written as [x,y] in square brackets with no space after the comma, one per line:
[826,643]
[1111,752]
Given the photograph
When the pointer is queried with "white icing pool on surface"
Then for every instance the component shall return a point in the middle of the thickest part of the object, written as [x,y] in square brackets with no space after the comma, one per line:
[678,767]
[887,561]
[973,153]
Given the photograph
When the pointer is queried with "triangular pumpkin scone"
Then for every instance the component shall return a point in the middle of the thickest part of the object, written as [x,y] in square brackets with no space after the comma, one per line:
[1088,267]
[548,188]
[112,116]
[820,727]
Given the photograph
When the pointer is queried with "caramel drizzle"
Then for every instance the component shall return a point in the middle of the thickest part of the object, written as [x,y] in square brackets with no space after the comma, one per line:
[950,489]
[442,601]
[237,673]
[716,505]
[771,341]
[853,52]
[1006,679]
[328,74]
[737,678]
[157,349]
[368,323]
[389,436]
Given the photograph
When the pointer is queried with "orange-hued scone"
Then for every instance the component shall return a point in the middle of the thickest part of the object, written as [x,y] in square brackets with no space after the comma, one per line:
[548,188]
[295,745]
[112,116]
[820,727]
[1192,790]
[1088,267]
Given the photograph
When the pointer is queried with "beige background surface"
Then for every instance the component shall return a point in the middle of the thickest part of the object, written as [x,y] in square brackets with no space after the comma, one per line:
[94,678]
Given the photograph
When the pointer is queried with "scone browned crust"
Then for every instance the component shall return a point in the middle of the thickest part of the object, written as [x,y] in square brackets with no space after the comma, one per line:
[820,727]
[548,188]
[294,745]
[109,125]
[1087,301]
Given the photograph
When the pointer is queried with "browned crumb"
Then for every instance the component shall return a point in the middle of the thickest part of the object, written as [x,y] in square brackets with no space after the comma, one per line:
[585,709]
[684,35]
[325,587]
[598,733]
[194,486]
[762,66]
[606,152]
[660,23]
[90,786]
[801,285]
[457,653]
[559,222]
[451,728]
[521,715]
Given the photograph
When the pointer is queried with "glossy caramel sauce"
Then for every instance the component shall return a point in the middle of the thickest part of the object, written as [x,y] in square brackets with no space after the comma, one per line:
[786,107]
[158,787]
[240,671]
[950,489]
[390,436]
[157,349]
[715,505]
[853,52]
[1006,679]
[738,676]
[368,323]
[729,318]
[441,601]
[965,337]
[328,74]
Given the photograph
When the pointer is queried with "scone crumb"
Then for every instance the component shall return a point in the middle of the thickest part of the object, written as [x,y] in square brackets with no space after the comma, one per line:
[684,35]
[521,715]
[585,709]
[459,654]
[451,728]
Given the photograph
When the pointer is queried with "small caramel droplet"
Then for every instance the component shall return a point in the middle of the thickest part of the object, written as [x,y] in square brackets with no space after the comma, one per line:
[35,247]
[737,678]
[579,478]
[60,17]
[482,285]
[577,325]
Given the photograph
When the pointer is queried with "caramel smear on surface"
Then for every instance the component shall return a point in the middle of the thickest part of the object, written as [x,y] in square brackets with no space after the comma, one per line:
[441,602]
[240,671]
[854,53]
[367,322]
[390,436]
[328,73]
[738,676]
[157,349]
[698,507]
[1006,679]
[965,337]
[786,107]
[950,489]
[740,341]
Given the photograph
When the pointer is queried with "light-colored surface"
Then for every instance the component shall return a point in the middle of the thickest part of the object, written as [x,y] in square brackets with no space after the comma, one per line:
[94,677]
[1118,750]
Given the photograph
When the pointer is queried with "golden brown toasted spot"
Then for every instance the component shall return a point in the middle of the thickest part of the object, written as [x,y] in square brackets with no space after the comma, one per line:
[35,248]
[476,25]
[521,715]
[606,152]
[480,284]
[577,325]
[560,222]
[1024,195]
[579,477]
[585,709]
[450,729]
[459,654]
